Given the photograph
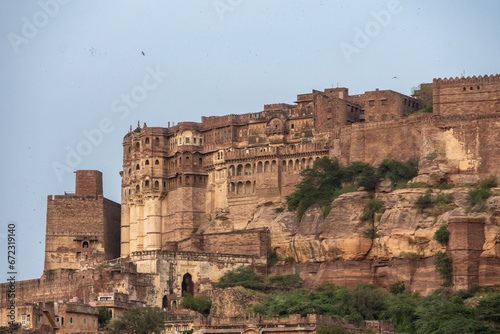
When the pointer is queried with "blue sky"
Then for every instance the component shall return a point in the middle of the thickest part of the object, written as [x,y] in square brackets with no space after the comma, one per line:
[67,68]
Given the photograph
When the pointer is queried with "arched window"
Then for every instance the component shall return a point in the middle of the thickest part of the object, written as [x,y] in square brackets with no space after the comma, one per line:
[297,164]
[85,244]
[147,162]
[129,149]
[137,146]
[290,165]
[231,187]
[157,162]
[187,161]
[147,140]
[239,170]
[137,167]
[248,187]
[164,303]
[157,141]
[266,167]
[200,161]
[187,285]
[248,169]
[146,184]
[157,184]
[239,188]
[259,167]
[231,171]
[283,166]
[273,166]
[137,188]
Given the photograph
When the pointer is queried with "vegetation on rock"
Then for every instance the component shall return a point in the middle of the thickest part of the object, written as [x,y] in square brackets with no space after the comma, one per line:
[440,312]
[241,276]
[139,320]
[327,180]
[442,235]
[199,304]
[443,267]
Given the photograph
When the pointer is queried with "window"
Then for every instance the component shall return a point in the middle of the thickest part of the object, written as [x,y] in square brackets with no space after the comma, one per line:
[383,102]
[70,320]
[137,145]
[194,140]
[371,103]
[157,141]
[147,184]
[39,318]
[23,319]
[147,142]
[137,167]
[293,126]
[157,184]
[147,162]
[85,244]
[371,118]
[157,162]
[62,321]
[84,321]
[187,140]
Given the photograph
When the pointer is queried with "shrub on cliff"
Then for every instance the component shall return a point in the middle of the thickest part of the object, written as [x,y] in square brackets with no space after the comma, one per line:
[241,276]
[372,207]
[443,267]
[200,304]
[442,235]
[398,171]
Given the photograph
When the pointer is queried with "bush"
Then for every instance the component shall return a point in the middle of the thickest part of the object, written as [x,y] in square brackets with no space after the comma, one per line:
[272,259]
[443,267]
[200,304]
[326,211]
[371,233]
[398,171]
[488,183]
[477,197]
[279,210]
[289,259]
[103,316]
[424,202]
[444,200]
[442,235]
[286,281]
[242,276]
[140,320]
[372,207]
[489,308]
[397,288]
[409,255]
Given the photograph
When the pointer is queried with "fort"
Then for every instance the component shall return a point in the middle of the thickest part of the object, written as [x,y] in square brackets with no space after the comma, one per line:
[199,199]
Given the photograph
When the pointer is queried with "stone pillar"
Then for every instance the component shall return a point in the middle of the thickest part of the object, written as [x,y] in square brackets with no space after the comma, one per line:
[152,224]
[133,228]
[125,231]
[465,247]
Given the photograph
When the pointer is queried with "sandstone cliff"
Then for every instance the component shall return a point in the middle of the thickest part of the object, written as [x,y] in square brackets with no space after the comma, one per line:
[337,248]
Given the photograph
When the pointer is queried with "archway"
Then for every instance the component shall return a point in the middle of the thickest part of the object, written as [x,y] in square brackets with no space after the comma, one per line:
[164,303]
[187,284]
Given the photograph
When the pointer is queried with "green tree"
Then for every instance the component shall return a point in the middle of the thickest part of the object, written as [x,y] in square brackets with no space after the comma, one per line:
[442,235]
[243,276]
[201,304]
[139,320]
[489,308]
[103,316]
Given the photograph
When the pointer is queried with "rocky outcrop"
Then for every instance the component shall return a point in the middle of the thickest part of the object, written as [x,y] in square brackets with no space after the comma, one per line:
[233,302]
[338,248]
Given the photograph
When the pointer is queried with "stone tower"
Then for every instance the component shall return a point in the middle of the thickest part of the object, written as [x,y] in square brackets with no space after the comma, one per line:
[83,229]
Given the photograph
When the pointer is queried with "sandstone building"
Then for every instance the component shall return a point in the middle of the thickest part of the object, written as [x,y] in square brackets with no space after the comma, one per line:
[199,199]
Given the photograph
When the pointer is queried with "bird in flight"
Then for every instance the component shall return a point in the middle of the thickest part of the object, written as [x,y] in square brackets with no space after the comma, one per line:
[143,53]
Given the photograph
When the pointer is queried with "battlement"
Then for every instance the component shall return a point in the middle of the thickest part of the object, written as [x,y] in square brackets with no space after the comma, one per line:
[467,80]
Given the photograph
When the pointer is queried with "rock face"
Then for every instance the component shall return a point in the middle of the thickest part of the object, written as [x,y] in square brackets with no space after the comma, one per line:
[336,248]
[232,302]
